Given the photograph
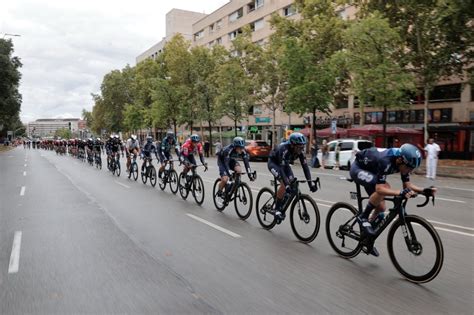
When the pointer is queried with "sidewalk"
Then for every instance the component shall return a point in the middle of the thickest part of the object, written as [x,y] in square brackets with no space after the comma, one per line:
[451,168]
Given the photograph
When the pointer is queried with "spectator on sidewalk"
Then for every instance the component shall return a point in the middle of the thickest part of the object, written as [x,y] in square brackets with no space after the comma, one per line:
[314,155]
[324,152]
[218,146]
[207,147]
[432,151]
[338,150]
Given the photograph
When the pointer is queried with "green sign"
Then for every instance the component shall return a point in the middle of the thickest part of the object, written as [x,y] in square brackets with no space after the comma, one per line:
[255,129]
[296,129]
[262,119]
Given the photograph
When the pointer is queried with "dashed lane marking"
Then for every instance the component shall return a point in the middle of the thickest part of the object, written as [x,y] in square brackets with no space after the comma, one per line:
[126,186]
[452,225]
[451,200]
[217,227]
[24,173]
[453,231]
[456,188]
[14,264]
[22,191]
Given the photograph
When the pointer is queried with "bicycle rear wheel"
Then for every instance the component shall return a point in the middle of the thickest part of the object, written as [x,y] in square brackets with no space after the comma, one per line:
[419,255]
[265,203]
[218,201]
[183,191]
[117,168]
[144,175]
[342,230]
[243,201]
[173,181]
[135,171]
[198,189]
[305,219]
[152,176]
[163,179]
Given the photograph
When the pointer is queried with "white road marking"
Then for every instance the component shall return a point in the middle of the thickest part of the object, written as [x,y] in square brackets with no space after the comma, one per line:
[453,225]
[456,188]
[25,164]
[122,184]
[214,226]
[24,173]
[451,200]
[324,200]
[22,191]
[15,255]
[453,231]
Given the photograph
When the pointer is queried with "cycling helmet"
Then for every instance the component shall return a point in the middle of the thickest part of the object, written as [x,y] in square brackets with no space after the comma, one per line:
[116,136]
[149,139]
[170,134]
[98,139]
[239,142]
[195,138]
[134,137]
[411,155]
[297,138]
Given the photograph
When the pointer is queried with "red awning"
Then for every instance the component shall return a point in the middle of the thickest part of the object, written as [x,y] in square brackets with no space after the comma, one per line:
[370,130]
[326,132]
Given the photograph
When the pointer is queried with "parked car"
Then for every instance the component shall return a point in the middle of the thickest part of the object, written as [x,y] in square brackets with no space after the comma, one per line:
[349,148]
[257,149]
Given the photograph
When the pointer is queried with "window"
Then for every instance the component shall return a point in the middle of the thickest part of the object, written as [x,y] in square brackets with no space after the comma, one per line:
[362,145]
[219,41]
[211,44]
[258,3]
[199,35]
[250,7]
[233,35]
[236,53]
[332,146]
[218,25]
[234,16]
[446,93]
[211,28]
[260,42]
[341,101]
[342,14]
[347,146]
[289,10]
[257,110]
[258,24]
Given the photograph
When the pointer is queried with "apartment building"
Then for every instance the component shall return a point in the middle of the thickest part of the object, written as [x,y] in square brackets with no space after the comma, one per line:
[451,113]
[47,127]
[177,22]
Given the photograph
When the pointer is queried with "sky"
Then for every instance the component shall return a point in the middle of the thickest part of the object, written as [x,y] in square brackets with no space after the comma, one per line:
[67,46]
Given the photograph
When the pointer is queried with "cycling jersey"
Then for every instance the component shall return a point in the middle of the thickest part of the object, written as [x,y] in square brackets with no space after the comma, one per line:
[371,167]
[148,149]
[226,160]
[280,160]
[131,145]
[165,148]
[188,149]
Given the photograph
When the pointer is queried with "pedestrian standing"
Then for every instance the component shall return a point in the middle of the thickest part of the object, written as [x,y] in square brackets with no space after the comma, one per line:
[338,150]
[432,150]
[324,152]
[314,154]
[207,147]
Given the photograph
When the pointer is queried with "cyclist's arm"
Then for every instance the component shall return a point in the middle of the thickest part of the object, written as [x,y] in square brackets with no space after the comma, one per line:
[305,167]
[245,158]
[412,186]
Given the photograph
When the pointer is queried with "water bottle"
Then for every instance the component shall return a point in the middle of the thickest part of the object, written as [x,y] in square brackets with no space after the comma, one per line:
[380,217]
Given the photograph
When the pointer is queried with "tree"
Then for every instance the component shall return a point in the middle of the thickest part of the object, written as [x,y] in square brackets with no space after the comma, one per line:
[234,88]
[309,44]
[437,36]
[63,133]
[133,117]
[10,97]
[88,117]
[373,58]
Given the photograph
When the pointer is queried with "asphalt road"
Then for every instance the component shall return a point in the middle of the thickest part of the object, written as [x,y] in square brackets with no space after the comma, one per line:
[74,239]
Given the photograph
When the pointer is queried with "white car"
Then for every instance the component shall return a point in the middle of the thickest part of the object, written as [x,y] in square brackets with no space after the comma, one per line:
[349,148]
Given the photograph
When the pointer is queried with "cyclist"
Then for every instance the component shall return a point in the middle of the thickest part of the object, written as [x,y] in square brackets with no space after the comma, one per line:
[108,148]
[147,149]
[190,147]
[89,149]
[279,165]
[169,142]
[132,147]
[97,147]
[370,169]
[226,161]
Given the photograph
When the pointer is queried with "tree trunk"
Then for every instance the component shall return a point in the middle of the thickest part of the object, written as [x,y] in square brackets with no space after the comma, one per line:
[384,121]
[313,133]
[235,127]
[425,125]
[210,137]
[273,128]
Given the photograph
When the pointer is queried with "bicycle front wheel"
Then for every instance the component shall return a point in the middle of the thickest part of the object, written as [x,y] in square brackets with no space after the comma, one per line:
[173,181]
[342,230]
[198,189]
[243,201]
[117,169]
[144,175]
[265,203]
[183,191]
[305,219]
[163,179]
[135,171]
[415,249]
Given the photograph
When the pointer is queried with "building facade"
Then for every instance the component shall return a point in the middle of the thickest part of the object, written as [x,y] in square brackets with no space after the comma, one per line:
[47,127]
[451,108]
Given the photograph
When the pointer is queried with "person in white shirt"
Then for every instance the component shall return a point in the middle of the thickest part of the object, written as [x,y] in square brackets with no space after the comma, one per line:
[432,151]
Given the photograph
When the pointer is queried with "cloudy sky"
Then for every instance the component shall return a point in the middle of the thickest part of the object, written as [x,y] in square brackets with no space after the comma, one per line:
[66,47]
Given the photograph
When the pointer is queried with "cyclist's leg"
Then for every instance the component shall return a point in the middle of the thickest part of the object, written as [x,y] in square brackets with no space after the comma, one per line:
[276,171]
[222,174]
[163,159]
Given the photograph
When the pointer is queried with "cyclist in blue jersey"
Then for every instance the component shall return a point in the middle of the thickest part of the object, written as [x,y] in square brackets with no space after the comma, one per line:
[279,165]
[169,142]
[370,169]
[146,151]
[227,161]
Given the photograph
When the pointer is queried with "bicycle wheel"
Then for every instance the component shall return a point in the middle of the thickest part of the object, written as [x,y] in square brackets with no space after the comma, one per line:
[173,181]
[198,189]
[163,179]
[305,219]
[152,176]
[419,255]
[144,175]
[100,163]
[117,169]
[243,201]
[218,201]
[135,171]
[342,230]
[265,202]
[183,191]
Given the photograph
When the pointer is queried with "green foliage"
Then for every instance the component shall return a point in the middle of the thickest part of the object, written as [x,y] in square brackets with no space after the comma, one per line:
[63,133]
[10,97]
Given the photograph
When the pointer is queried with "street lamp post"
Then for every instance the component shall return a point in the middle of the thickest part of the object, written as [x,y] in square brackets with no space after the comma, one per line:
[11,35]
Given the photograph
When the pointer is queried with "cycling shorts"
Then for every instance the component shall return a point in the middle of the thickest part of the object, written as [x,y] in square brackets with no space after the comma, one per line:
[364,178]
[222,169]
[278,171]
